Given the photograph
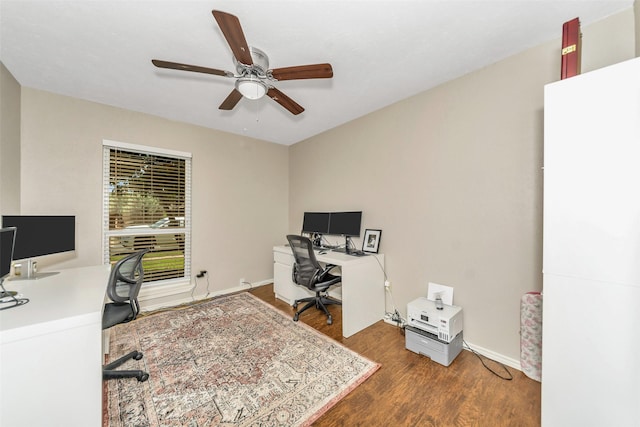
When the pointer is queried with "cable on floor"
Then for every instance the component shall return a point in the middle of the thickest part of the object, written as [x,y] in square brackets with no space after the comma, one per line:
[480,357]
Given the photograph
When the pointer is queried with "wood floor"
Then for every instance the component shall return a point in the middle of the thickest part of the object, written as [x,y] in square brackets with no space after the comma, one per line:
[412,390]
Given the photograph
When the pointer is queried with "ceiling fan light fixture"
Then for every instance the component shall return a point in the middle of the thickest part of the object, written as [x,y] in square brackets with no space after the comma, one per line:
[251,87]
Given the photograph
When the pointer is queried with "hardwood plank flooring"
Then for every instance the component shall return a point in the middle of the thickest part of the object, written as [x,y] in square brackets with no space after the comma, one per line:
[411,390]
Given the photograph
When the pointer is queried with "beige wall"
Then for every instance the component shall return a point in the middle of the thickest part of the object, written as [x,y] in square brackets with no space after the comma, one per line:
[240,185]
[609,41]
[453,178]
[9,142]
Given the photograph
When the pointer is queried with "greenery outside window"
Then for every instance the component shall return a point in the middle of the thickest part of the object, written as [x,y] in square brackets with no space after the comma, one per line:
[147,205]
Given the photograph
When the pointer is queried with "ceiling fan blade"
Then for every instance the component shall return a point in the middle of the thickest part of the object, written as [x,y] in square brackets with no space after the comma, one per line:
[312,71]
[231,100]
[285,101]
[230,26]
[195,68]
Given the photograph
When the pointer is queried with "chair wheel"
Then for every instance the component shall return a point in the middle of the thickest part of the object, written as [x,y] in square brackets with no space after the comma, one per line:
[329,320]
[138,356]
[143,377]
[295,305]
[295,317]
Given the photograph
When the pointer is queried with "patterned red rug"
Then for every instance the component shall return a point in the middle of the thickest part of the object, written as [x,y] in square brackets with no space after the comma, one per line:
[233,361]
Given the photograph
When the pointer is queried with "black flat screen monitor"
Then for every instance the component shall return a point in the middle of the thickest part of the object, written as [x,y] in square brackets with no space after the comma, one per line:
[7,236]
[316,222]
[41,235]
[345,223]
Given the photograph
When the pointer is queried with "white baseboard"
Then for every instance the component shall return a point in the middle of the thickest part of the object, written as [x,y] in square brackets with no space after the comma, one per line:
[262,283]
[508,361]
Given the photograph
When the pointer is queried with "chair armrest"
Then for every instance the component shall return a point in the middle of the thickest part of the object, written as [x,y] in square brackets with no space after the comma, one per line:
[326,270]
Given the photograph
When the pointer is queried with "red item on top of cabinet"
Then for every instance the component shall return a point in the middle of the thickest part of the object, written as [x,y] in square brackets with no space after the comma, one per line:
[571,48]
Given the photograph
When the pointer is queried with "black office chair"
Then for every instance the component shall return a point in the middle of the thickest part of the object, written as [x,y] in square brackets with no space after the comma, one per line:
[308,272]
[124,285]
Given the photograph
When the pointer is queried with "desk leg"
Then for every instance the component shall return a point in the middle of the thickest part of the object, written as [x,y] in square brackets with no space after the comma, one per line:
[362,296]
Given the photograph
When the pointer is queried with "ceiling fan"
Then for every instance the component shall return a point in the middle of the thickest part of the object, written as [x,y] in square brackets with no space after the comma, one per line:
[253,77]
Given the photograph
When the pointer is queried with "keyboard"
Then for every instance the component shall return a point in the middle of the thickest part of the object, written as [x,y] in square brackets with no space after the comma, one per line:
[353,252]
[357,253]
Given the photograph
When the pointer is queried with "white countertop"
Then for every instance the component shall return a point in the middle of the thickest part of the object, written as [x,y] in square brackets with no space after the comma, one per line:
[73,297]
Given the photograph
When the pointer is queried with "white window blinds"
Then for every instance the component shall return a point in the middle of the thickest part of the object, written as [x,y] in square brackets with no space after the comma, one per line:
[146,204]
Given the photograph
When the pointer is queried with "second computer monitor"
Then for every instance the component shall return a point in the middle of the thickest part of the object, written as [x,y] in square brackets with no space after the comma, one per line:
[345,223]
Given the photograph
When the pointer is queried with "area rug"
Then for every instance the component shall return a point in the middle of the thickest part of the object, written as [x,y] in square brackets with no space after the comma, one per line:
[232,361]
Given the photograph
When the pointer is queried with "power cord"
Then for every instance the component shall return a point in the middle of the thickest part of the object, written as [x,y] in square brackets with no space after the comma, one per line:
[9,298]
[382,268]
[203,273]
[393,316]
[328,244]
[193,288]
[480,357]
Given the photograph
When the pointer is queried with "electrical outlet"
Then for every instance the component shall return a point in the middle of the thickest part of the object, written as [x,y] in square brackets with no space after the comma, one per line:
[393,318]
[242,281]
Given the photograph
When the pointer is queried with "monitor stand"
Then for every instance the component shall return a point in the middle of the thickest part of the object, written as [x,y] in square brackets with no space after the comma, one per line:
[29,271]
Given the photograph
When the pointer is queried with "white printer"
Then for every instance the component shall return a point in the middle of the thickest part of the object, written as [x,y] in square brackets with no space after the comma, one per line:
[445,323]
[434,333]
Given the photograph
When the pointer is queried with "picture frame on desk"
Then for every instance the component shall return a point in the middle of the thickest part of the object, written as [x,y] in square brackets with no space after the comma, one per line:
[371,241]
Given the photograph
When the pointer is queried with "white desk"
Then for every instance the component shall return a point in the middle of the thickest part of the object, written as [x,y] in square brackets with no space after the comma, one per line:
[51,350]
[362,290]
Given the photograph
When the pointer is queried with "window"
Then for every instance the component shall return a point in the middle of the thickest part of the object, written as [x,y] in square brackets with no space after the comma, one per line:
[147,204]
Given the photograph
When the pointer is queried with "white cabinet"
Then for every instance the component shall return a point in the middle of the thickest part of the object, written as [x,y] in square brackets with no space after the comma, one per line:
[51,350]
[591,249]
[283,285]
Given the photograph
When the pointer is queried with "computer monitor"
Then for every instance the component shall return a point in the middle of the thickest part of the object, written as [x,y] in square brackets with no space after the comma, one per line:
[38,235]
[8,299]
[345,223]
[315,222]
[7,239]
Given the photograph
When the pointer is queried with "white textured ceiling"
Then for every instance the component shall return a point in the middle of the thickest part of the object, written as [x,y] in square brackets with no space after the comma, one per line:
[381,52]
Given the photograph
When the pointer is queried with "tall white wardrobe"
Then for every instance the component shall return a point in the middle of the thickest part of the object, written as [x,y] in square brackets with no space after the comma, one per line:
[591,249]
